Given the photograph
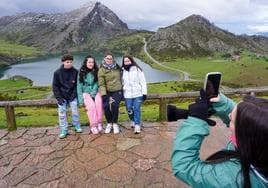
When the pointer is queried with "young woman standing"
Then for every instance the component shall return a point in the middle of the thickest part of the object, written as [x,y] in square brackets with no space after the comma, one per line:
[135,90]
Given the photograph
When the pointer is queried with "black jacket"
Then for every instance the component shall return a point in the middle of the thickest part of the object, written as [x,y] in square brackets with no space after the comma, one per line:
[64,84]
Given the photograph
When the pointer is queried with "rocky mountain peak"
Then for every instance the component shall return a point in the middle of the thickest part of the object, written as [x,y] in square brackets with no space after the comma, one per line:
[90,25]
[196,36]
[195,19]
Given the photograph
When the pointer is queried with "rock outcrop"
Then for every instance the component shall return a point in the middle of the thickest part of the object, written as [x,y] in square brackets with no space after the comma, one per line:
[87,27]
[195,35]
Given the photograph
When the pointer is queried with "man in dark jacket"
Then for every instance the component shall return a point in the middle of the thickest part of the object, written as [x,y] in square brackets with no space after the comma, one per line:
[64,89]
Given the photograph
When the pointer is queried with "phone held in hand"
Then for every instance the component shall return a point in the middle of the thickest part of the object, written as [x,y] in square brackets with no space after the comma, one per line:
[212,84]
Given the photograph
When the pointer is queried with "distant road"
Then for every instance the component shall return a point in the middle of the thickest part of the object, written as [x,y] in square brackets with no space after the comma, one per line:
[183,75]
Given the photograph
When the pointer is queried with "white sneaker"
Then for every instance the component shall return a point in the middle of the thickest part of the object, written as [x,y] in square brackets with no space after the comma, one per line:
[108,128]
[116,128]
[137,129]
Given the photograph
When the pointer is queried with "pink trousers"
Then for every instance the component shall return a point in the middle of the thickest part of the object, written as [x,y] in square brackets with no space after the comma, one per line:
[94,109]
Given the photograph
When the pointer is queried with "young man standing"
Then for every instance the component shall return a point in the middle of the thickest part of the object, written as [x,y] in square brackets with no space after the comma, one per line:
[64,89]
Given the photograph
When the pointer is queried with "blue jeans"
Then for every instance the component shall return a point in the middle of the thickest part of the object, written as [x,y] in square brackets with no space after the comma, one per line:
[133,106]
[62,111]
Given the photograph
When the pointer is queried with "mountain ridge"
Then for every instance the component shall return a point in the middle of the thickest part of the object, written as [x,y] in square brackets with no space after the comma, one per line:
[196,36]
[93,25]
[62,31]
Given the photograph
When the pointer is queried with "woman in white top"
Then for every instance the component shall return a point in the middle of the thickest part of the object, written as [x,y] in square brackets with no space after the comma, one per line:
[135,90]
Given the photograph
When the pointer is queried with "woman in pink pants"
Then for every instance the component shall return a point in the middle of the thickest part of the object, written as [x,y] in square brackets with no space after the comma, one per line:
[88,93]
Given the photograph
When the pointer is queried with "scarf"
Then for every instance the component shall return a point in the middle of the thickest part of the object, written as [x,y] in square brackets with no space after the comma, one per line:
[127,67]
[109,66]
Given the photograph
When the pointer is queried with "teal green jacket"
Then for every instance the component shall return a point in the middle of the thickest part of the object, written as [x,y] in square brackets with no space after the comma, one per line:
[188,167]
[89,86]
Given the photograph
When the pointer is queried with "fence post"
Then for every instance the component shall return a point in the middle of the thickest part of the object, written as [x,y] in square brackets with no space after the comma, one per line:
[162,109]
[10,115]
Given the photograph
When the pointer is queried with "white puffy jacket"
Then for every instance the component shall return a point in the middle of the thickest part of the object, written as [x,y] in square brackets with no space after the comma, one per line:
[134,83]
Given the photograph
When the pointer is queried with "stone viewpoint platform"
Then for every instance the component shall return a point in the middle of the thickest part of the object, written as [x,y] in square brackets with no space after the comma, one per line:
[36,157]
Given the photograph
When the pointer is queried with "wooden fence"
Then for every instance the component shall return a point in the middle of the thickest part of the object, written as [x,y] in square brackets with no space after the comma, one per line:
[163,99]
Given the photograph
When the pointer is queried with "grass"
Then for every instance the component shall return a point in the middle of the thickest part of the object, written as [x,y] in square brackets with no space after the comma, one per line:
[9,84]
[249,71]
[48,116]
[17,50]
[174,86]
[129,44]
[21,89]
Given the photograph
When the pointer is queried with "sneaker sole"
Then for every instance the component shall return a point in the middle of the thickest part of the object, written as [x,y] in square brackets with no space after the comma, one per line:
[116,132]
[61,137]
[107,132]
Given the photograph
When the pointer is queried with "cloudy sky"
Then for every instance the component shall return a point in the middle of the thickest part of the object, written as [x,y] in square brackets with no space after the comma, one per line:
[236,16]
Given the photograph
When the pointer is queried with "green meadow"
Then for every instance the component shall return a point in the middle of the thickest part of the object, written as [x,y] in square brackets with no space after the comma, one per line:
[13,50]
[249,71]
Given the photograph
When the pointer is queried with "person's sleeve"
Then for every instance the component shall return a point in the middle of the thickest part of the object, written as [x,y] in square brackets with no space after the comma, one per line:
[56,87]
[143,82]
[95,89]
[79,91]
[102,83]
[185,161]
[223,108]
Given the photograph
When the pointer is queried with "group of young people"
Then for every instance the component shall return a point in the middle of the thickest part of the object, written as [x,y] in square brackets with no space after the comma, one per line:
[99,89]
[244,161]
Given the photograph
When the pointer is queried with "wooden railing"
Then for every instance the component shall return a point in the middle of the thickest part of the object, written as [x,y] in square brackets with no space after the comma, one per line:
[163,99]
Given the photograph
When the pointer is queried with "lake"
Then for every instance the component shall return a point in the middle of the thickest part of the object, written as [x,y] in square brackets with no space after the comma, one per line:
[41,71]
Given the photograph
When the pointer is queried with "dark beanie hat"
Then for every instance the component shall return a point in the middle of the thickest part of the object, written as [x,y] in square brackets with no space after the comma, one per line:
[67,57]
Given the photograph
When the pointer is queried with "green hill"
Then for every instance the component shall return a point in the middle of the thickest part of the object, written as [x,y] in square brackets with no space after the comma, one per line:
[11,52]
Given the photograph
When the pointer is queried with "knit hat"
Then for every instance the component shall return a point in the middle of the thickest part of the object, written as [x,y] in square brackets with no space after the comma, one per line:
[67,57]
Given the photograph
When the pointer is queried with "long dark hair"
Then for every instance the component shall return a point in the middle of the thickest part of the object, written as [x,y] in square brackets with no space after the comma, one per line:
[251,130]
[133,62]
[84,70]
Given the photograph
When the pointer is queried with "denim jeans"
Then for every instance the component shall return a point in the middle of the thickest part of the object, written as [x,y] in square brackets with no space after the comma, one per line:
[62,111]
[111,106]
[133,106]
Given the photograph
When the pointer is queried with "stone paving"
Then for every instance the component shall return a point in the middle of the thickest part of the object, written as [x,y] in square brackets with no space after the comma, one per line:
[35,157]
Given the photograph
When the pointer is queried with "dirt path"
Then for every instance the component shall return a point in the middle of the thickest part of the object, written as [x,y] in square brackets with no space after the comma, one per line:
[183,75]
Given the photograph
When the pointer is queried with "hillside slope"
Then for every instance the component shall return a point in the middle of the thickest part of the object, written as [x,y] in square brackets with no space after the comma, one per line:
[196,36]
[88,27]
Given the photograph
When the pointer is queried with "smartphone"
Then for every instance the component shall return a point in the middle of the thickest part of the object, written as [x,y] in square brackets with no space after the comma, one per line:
[212,84]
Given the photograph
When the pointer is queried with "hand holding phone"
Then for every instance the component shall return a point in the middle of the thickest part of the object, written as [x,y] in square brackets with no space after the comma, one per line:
[212,84]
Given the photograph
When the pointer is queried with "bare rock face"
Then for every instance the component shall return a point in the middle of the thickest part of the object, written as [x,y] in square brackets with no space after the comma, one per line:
[90,25]
[196,35]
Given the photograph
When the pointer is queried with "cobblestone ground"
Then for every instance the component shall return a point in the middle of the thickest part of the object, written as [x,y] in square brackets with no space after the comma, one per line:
[35,157]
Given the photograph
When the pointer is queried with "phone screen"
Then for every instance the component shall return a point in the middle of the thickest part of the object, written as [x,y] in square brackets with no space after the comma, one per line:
[212,84]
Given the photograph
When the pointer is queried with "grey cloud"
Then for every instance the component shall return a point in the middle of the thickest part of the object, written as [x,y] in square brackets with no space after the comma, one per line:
[150,14]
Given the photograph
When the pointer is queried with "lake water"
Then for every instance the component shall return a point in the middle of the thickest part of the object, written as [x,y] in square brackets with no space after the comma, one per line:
[41,71]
